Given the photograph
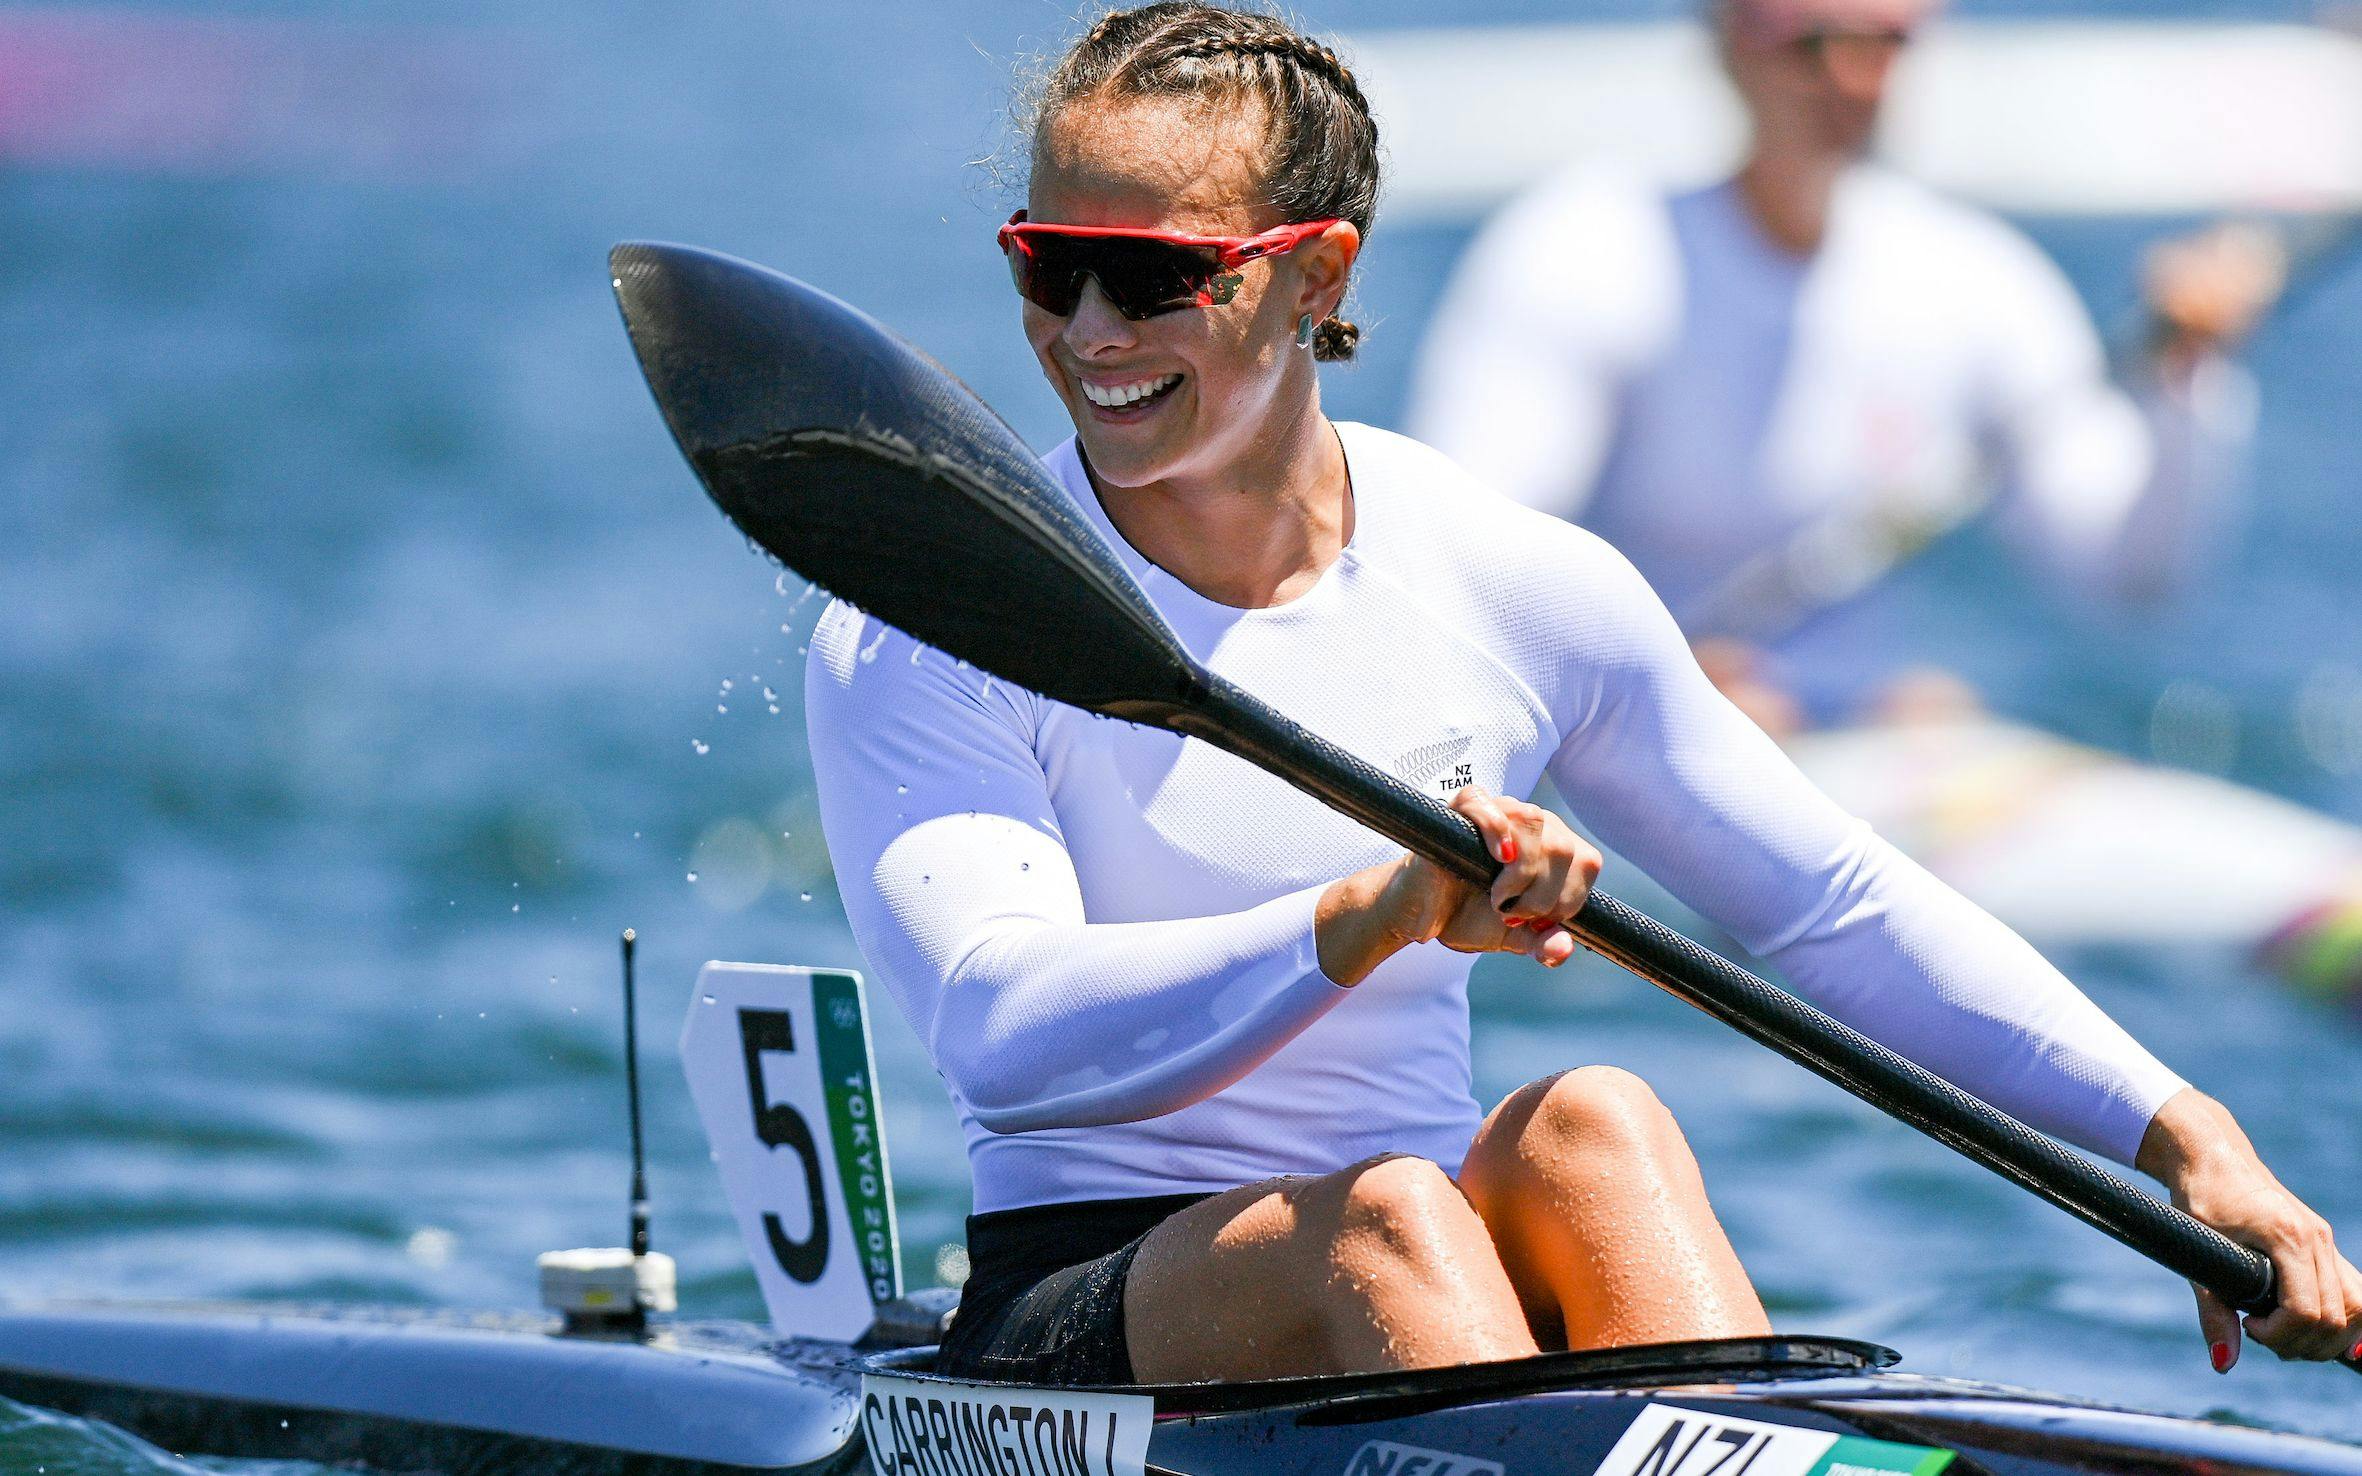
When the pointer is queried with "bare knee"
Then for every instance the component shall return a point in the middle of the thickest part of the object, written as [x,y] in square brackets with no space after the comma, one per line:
[1600,1112]
[1404,1225]
[1411,1254]
[1603,1106]
[1408,1208]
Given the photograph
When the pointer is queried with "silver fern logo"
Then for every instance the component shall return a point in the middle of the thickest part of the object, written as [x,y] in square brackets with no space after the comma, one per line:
[1438,765]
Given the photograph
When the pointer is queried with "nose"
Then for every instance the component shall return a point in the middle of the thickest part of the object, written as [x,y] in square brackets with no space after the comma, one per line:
[1095,327]
[1859,67]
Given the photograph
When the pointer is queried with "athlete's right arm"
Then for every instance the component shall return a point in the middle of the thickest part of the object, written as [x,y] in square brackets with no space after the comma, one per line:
[1520,372]
[964,899]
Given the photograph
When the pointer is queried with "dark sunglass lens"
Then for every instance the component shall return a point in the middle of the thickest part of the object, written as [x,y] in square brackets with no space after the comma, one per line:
[1146,278]
[1141,278]
[1042,279]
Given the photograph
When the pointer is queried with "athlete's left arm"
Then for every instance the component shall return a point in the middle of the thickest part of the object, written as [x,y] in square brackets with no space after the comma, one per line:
[1673,778]
[2117,487]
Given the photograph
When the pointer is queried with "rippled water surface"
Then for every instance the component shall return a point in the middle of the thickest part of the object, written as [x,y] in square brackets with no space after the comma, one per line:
[370,660]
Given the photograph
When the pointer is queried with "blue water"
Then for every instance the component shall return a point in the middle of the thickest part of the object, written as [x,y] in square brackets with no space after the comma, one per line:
[366,643]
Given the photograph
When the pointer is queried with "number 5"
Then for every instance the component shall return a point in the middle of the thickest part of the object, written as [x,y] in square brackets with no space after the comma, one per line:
[780,1125]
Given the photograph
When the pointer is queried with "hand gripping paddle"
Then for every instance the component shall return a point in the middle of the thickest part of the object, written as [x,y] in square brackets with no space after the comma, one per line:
[862,464]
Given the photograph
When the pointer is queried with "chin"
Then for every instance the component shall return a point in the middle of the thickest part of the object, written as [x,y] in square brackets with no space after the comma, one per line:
[1122,460]
[1122,466]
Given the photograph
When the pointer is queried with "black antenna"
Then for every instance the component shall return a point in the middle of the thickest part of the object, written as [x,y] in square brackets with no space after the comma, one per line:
[631,1078]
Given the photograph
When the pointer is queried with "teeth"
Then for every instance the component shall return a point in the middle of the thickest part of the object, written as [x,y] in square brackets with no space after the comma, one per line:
[1117,396]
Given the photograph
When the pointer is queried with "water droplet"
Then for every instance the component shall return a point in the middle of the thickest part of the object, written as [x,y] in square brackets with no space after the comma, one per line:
[709,999]
[701,746]
[553,978]
[803,896]
[721,707]
[1025,866]
[768,694]
[516,906]
[725,684]
[774,709]
[870,651]
[951,1264]
[902,789]
[692,876]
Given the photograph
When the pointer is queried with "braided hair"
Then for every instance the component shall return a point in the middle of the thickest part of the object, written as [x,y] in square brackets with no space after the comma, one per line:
[1323,159]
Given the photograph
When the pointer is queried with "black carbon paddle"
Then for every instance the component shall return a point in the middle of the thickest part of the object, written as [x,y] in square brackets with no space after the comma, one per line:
[862,464]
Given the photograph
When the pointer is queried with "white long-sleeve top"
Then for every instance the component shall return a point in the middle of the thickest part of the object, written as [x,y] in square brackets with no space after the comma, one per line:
[1104,933]
[1658,369]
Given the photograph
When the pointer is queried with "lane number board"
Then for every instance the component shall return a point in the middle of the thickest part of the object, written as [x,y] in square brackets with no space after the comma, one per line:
[779,1064]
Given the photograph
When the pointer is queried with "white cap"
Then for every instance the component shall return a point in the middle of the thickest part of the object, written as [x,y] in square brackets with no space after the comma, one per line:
[606,1282]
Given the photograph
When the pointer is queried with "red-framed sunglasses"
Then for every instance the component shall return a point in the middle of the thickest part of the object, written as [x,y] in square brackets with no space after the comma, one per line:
[1144,273]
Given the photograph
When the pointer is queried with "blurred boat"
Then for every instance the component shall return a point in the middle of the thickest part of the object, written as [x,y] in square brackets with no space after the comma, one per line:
[2074,846]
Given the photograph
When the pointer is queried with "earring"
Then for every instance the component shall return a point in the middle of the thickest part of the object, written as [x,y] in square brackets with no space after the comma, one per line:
[1304,331]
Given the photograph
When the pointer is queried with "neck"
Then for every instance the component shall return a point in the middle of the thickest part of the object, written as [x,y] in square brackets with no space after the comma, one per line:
[1788,192]
[1256,532]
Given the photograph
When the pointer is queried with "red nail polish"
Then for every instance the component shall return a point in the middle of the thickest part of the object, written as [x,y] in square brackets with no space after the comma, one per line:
[1513,922]
[2356,1354]
[1540,924]
[1509,849]
[2221,1353]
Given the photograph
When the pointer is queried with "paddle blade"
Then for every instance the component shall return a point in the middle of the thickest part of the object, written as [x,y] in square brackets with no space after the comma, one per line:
[862,464]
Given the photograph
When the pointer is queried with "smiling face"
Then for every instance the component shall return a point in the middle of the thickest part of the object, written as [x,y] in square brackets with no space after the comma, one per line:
[1186,394]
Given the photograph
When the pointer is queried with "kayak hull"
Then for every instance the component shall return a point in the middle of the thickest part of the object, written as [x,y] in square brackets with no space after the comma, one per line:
[468,1392]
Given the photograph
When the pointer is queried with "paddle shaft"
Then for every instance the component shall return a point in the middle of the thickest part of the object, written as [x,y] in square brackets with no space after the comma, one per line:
[1233,719]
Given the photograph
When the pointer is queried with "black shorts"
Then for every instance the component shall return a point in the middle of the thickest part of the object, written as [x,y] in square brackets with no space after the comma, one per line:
[1044,1303]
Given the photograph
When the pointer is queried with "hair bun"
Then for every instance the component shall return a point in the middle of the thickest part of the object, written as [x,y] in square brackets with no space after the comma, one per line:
[1335,339]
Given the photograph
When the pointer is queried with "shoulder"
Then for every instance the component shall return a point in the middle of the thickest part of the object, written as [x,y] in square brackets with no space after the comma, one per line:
[1591,248]
[1949,239]
[1418,492]
[863,676]
[1436,527]
[1601,212]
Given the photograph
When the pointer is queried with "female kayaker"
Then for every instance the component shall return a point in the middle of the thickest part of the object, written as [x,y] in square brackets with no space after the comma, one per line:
[1211,1060]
